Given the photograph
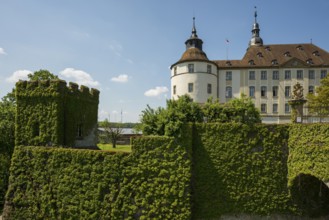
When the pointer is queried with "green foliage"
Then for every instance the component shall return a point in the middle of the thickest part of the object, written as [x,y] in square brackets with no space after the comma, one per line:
[7,133]
[42,75]
[168,121]
[239,169]
[55,183]
[308,163]
[48,112]
[318,103]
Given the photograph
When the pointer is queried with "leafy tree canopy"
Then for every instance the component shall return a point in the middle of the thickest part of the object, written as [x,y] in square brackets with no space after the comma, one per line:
[168,121]
[42,75]
[319,103]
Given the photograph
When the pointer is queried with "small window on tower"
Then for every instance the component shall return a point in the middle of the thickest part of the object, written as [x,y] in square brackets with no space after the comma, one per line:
[209,88]
[175,70]
[174,90]
[208,68]
[191,68]
[190,87]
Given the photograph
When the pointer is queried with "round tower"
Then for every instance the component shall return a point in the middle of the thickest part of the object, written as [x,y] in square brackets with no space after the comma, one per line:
[194,74]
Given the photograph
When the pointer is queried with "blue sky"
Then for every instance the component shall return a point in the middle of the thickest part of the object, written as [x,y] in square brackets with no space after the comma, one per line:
[124,47]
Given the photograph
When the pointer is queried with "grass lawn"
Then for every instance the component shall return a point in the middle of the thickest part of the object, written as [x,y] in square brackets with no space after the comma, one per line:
[122,148]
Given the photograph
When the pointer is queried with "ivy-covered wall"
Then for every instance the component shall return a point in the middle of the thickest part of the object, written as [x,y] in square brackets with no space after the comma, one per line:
[308,168]
[57,183]
[239,169]
[209,171]
[50,113]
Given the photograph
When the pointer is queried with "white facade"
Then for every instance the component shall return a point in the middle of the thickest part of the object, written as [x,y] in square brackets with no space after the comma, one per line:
[266,73]
[200,82]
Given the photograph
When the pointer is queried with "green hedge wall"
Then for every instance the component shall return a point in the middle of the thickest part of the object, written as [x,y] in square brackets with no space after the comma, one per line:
[239,169]
[309,151]
[56,183]
[308,168]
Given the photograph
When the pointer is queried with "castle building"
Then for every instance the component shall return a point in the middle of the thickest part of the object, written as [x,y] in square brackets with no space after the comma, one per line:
[50,113]
[266,73]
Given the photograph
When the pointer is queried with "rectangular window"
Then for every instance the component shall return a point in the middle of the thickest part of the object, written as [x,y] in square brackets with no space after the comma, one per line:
[275,91]
[286,108]
[251,75]
[300,74]
[252,91]
[190,87]
[175,70]
[263,75]
[311,74]
[275,108]
[208,68]
[287,74]
[311,89]
[228,76]
[323,74]
[275,75]
[174,90]
[263,108]
[263,91]
[228,93]
[287,91]
[191,68]
[209,88]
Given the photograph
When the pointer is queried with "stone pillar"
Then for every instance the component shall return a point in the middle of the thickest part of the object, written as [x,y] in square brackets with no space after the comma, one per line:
[297,110]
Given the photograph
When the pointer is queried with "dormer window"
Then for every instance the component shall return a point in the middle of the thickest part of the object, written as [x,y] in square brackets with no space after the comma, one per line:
[274,62]
[267,48]
[287,54]
[228,63]
[299,47]
[309,61]
[259,54]
[251,62]
[316,53]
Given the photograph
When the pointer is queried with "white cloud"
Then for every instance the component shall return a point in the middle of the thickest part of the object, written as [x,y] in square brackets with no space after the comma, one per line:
[79,76]
[121,78]
[157,91]
[17,75]
[2,51]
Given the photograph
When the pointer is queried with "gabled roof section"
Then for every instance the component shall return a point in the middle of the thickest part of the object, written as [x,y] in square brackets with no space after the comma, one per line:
[279,55]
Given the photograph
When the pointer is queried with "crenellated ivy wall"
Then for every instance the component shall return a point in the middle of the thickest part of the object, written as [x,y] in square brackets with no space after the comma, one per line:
[50,113]
[57,183]
[210,171]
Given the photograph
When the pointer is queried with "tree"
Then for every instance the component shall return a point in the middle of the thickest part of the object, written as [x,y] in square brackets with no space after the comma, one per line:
[168,121]
[42,75]
[318,103]
[112,133]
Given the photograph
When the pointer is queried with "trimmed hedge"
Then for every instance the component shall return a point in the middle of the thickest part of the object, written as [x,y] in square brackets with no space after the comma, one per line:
[239,169]
[57,183]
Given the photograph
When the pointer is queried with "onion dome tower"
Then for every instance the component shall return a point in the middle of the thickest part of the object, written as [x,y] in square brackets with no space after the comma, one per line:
[255,40]
[194,74]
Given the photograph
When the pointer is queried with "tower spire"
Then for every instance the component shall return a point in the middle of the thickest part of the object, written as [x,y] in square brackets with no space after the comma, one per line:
[194,29]
[194,40]
[255,40]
